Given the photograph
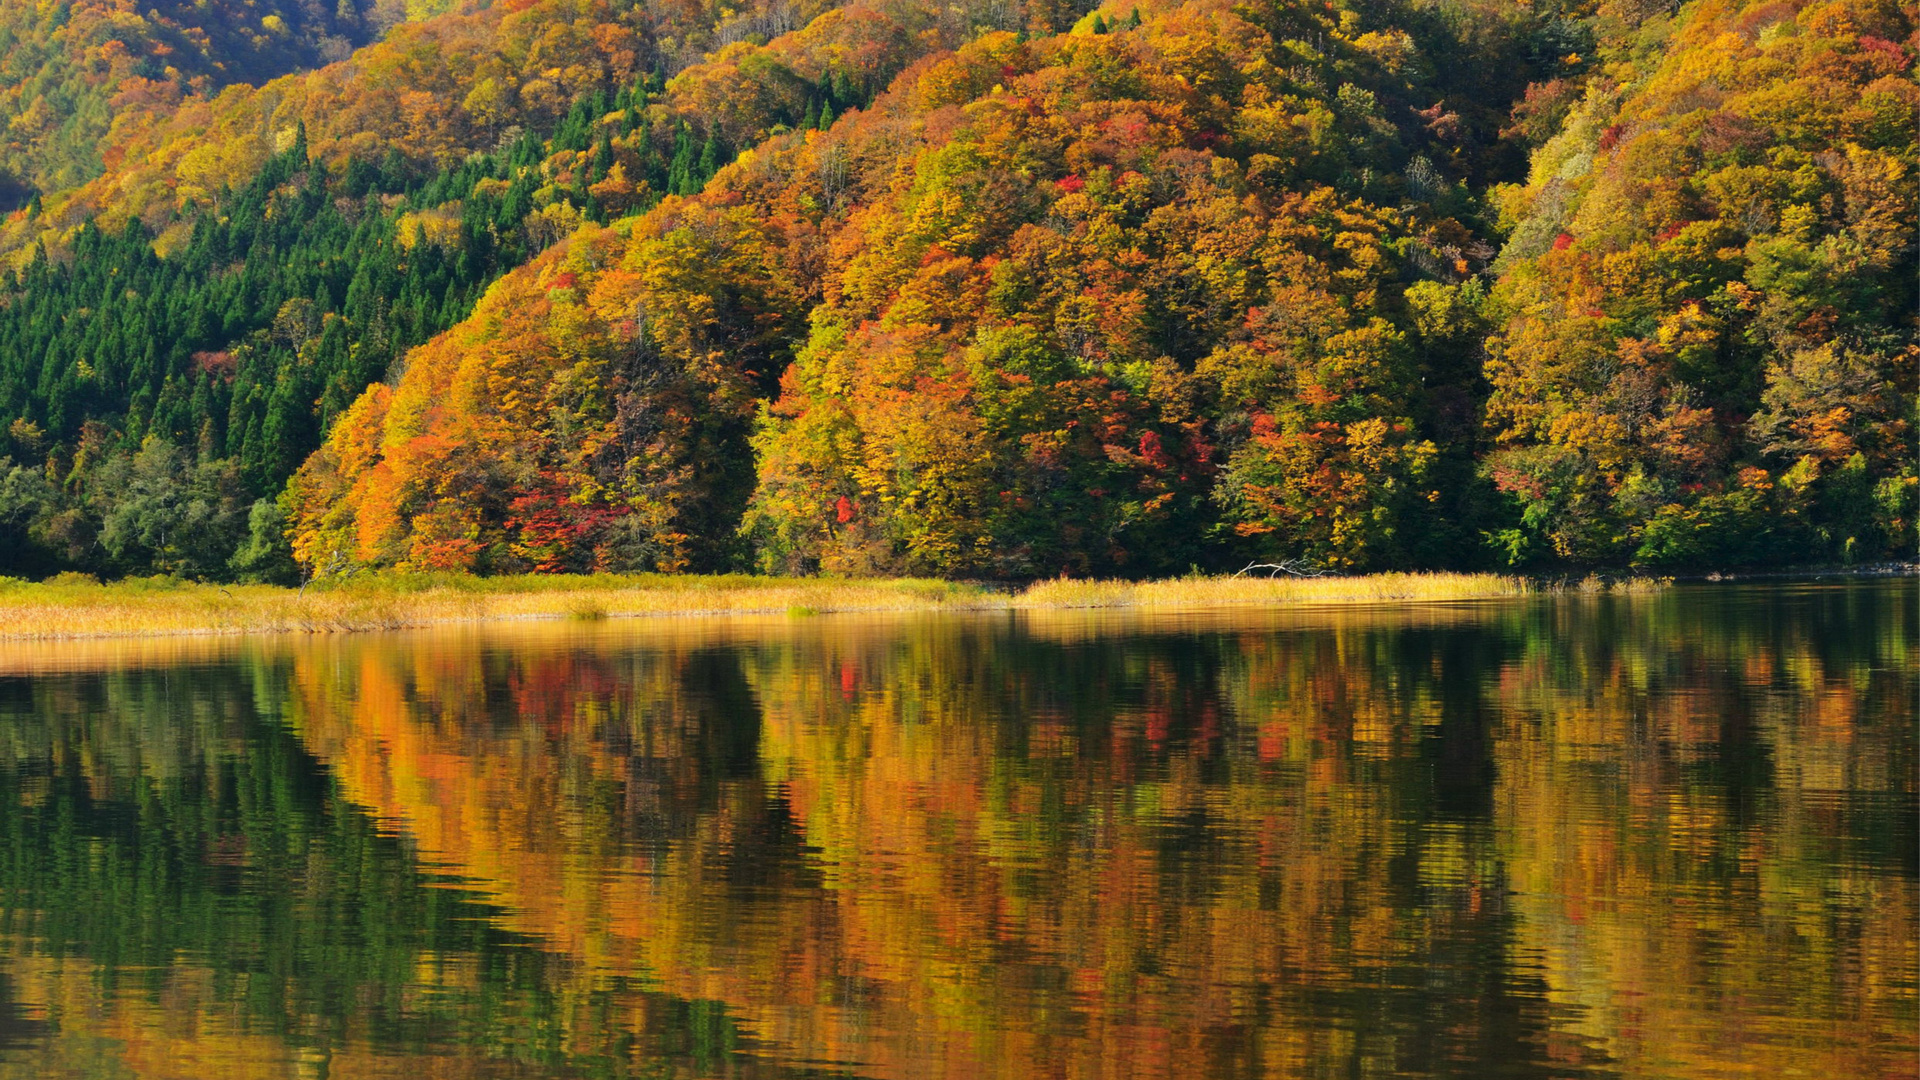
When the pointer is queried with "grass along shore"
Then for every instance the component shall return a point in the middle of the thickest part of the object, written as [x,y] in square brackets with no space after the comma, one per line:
[73,606]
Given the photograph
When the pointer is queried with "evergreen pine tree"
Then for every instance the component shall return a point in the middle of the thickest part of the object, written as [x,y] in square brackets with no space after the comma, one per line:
[602,159]
[643,149]
[709,162]
[680,172]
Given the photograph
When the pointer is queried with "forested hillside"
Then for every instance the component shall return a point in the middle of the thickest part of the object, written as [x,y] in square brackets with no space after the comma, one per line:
[162,384]
[73,75]
[993,292]
[1703,342]
[436,91]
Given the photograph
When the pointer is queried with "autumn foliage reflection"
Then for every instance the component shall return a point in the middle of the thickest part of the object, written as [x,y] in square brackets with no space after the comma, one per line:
[1661,838]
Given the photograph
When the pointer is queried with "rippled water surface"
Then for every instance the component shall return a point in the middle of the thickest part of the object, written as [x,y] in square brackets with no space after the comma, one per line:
[1669,835]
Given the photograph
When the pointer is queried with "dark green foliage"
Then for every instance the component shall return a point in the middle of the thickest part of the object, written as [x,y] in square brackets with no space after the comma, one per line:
[277,311]
[265,557]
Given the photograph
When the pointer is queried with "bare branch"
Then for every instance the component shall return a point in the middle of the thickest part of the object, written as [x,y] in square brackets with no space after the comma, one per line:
[1291,567]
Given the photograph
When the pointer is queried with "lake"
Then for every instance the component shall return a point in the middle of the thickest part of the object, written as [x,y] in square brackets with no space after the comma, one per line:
[1661,835]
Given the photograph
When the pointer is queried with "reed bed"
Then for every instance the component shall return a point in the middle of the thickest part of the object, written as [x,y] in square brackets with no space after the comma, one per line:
[73,607]
[1214,591]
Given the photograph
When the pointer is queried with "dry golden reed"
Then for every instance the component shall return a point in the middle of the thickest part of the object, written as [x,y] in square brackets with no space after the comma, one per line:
[1209,591]
[71,606]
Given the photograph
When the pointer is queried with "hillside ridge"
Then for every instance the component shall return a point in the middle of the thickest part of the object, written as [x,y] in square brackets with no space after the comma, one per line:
[1135,290]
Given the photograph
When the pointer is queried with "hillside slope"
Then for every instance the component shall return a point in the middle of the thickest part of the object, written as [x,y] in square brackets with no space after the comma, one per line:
[1704,344]
[993,291]
[435,91]
[75,75]
[1094,302]
[154,379]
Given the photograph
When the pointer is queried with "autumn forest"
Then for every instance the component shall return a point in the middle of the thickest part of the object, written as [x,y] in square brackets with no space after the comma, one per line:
[981,289]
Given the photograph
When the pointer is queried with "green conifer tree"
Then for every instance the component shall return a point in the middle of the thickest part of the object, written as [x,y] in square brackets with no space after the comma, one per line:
[680,172]
[602,159]
[709,162]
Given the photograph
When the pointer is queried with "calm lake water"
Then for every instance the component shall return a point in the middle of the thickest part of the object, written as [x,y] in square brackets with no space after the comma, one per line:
[1663,836]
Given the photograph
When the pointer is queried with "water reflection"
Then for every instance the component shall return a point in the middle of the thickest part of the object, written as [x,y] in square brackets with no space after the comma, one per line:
[1663,836]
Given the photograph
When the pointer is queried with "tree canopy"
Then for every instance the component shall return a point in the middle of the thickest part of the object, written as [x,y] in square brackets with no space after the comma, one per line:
[1121,291]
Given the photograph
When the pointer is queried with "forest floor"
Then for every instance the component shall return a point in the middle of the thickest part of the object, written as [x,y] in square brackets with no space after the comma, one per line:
[74,606]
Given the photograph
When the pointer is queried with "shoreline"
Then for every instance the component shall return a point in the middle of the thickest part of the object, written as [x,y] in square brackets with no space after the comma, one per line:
[74,609]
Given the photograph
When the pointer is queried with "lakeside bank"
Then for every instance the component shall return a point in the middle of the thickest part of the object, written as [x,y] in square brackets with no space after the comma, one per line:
[72,607]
